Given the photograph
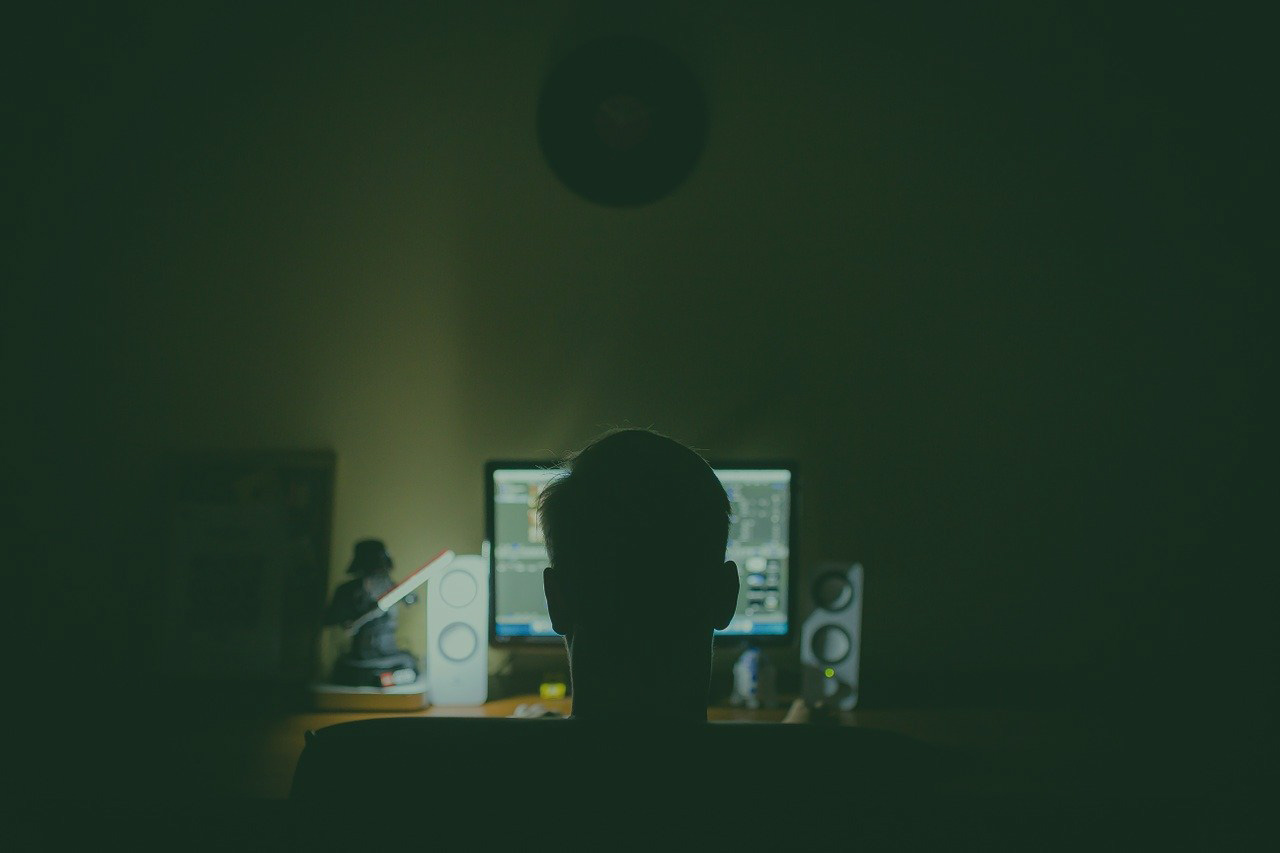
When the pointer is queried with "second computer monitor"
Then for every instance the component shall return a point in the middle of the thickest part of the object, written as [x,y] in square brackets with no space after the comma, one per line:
[761,541]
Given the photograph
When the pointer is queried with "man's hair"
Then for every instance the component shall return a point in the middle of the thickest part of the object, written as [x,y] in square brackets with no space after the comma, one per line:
[637,516]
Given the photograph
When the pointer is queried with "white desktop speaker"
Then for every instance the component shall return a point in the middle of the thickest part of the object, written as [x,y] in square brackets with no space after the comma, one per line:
[457,632]
[831,636]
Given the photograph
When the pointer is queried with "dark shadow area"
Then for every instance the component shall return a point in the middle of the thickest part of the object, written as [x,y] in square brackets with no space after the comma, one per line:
[994,276]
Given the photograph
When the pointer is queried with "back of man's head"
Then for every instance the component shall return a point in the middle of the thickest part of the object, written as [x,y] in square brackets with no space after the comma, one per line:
[637,529]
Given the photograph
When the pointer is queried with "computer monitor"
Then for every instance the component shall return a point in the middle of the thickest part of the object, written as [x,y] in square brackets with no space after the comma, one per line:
[762,524]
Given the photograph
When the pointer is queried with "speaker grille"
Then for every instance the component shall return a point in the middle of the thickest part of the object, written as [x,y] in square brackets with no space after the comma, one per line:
[832,591]
[458,589]
[831,644]
[458,641]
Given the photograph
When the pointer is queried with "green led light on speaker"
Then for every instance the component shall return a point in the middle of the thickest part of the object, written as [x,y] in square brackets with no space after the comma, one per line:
[829,672]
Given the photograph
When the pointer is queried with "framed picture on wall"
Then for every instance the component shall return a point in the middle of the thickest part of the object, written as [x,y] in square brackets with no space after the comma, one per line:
[248,565]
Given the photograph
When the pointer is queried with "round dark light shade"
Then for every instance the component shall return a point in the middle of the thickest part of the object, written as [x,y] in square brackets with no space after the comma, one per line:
[622,121]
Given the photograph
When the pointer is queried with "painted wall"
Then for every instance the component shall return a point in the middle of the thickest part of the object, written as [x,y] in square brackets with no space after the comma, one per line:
[972,271]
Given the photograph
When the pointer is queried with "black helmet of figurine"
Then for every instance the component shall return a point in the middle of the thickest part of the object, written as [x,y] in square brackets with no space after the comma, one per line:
[370,556]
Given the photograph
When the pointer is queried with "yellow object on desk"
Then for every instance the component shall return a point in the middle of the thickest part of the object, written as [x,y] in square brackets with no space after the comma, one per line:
[551,690]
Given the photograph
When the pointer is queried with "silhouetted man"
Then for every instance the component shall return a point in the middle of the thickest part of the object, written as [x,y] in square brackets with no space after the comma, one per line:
[636,533]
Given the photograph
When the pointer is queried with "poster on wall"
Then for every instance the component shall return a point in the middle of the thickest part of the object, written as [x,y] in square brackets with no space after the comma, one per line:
[248,565]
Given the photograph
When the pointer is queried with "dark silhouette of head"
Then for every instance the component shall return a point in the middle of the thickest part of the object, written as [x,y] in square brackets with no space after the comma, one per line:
[369,556]
[636,532]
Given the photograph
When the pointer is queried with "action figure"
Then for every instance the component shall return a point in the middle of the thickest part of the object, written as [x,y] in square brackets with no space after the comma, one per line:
[373,660]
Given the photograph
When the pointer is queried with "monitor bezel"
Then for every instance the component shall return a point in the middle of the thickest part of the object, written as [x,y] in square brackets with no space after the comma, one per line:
[793,579]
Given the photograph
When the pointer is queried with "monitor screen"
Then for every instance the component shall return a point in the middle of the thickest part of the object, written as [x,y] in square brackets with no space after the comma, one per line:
[761,529]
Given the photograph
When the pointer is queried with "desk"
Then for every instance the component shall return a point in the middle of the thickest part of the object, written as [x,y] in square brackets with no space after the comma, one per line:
[280,743]
[1029,734]
[217,752]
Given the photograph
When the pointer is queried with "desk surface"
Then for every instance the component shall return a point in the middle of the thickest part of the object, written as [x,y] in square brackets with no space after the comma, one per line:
[253,754]
[279,743]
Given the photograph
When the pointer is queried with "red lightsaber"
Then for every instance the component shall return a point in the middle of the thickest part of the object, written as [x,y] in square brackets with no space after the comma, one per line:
[393,596]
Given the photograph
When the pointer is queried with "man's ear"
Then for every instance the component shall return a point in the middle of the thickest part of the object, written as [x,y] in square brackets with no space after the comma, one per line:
[724,595]
[557,601]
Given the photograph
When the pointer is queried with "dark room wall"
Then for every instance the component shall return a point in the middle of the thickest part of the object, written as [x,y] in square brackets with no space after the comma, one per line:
[988,275]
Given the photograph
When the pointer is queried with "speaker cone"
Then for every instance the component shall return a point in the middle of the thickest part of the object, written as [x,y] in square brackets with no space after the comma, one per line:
[458,641]
[831,644]
[832,591]
[458,589]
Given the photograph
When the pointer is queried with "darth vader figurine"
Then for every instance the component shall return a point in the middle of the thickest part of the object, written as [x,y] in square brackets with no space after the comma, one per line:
[373,659]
